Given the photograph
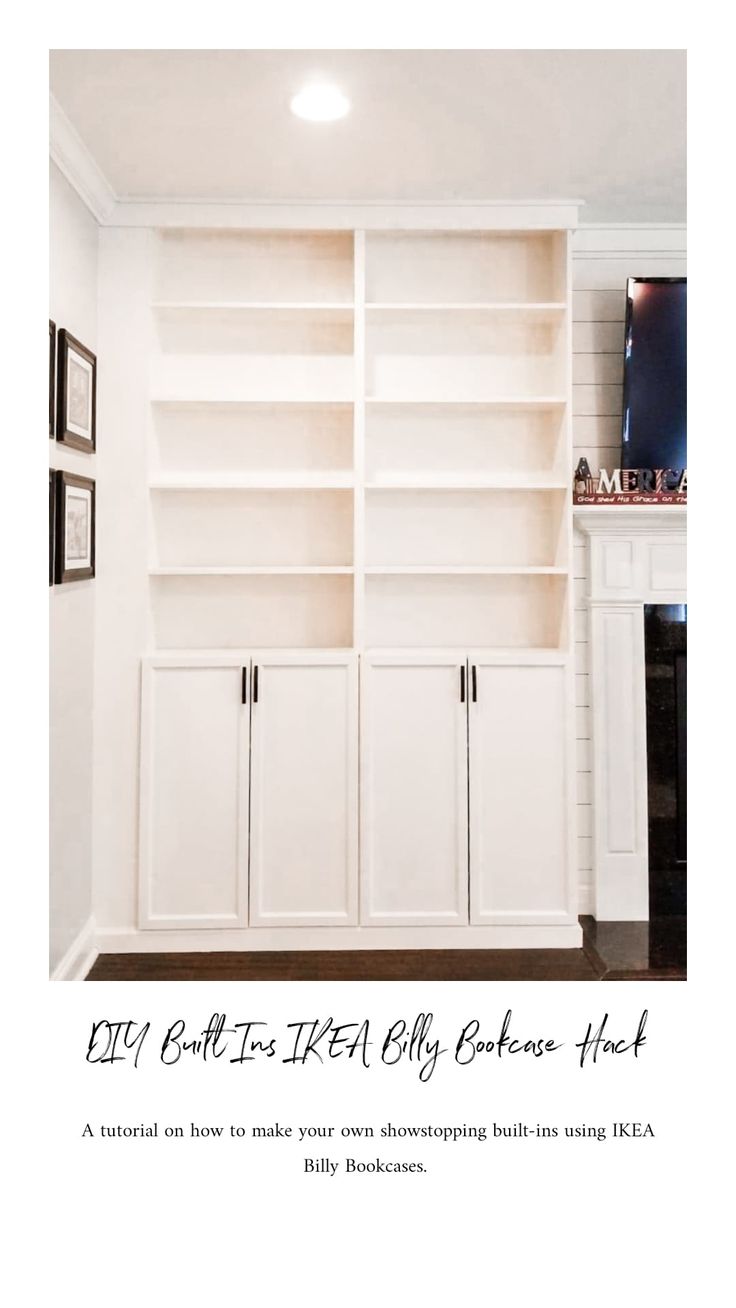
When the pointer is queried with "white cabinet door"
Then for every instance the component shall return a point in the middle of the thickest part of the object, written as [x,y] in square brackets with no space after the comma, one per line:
[304,790]
[194,793]
[520,856]
[414,820]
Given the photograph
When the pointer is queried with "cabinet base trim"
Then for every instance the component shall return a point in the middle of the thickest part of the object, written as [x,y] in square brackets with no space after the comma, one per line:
[109,940]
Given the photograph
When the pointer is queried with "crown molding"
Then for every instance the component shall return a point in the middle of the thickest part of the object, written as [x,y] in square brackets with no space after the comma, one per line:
[71,156]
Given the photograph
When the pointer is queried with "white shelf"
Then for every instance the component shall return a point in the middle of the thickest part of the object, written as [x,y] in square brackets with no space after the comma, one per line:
[426,482]
[229,653]
[516,654]
[463,402]
[212,402]
[281,571]
[479,570]
[291,311]
[249,402]
[262,481]
[540,311]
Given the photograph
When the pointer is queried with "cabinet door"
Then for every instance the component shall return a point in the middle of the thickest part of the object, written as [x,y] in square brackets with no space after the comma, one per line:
[520,861]
[304,796]
[414,790]
[194,794]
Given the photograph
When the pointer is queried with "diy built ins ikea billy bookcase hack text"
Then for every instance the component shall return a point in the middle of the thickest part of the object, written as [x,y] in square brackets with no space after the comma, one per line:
[357,712]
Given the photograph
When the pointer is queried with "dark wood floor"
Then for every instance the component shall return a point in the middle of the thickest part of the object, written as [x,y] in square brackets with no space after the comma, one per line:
[612,951]
[351,965]
[637,951]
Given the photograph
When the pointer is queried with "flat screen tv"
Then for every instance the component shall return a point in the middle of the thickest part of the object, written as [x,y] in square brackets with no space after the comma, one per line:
[655,374]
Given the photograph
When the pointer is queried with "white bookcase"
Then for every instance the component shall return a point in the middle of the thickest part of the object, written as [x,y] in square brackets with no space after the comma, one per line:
[360,447]
[360,439]
[252,471]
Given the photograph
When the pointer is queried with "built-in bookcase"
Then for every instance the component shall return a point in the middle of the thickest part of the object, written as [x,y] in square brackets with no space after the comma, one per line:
[466,506]
[360,440]
[252,466]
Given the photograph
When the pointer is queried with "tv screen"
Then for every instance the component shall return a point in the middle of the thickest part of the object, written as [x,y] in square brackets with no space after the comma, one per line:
[655,374]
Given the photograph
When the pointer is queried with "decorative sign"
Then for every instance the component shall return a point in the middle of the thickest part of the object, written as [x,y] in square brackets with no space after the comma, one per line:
[629,485]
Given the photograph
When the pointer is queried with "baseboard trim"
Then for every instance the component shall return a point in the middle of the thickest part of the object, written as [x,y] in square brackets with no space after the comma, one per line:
[111,941]
[586,901]
[80,956]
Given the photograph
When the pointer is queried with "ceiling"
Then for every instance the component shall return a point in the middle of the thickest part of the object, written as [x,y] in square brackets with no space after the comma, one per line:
[604,126]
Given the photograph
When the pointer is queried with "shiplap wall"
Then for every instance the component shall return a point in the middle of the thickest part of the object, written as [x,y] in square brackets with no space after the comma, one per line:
[603,258]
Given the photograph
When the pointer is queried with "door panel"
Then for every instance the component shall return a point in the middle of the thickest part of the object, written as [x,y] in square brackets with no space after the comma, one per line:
[194,795]
[518,794]
[414,787]
[304,802]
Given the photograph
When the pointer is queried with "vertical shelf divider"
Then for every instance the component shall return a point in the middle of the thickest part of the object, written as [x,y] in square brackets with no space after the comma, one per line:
[151,451]
[359,348]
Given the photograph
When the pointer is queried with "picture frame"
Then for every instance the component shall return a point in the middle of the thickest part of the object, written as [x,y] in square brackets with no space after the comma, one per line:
[52,378]
[76,393]
[52,523]
[75,528]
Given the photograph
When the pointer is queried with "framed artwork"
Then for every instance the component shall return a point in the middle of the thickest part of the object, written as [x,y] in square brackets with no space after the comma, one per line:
[52,377]
[76,393]
[75,527]
[52,523]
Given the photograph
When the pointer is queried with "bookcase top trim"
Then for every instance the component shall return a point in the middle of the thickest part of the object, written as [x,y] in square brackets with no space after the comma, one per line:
[526,215]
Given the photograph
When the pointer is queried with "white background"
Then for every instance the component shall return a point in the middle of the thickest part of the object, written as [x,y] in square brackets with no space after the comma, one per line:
[522,1216]
[524,1223]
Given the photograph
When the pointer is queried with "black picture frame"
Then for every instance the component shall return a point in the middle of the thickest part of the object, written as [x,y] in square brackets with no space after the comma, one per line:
[52,523]
[67,482]
[70,429]
[52,378]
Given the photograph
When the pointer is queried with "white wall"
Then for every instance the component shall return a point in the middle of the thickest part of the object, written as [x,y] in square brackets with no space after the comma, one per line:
[73,304]
[603,257]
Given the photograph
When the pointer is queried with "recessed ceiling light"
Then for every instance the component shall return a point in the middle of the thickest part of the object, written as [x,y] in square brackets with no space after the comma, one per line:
[320,103]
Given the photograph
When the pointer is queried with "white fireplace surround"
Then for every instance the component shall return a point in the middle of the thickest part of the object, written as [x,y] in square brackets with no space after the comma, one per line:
[637,557]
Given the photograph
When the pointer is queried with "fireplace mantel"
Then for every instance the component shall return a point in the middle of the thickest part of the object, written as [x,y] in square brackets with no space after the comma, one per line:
[637,557]
[631,521]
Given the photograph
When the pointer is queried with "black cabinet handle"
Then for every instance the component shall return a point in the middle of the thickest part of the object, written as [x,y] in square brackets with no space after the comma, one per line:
[462,684]
[475,684]
[255,684]
[244,687]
